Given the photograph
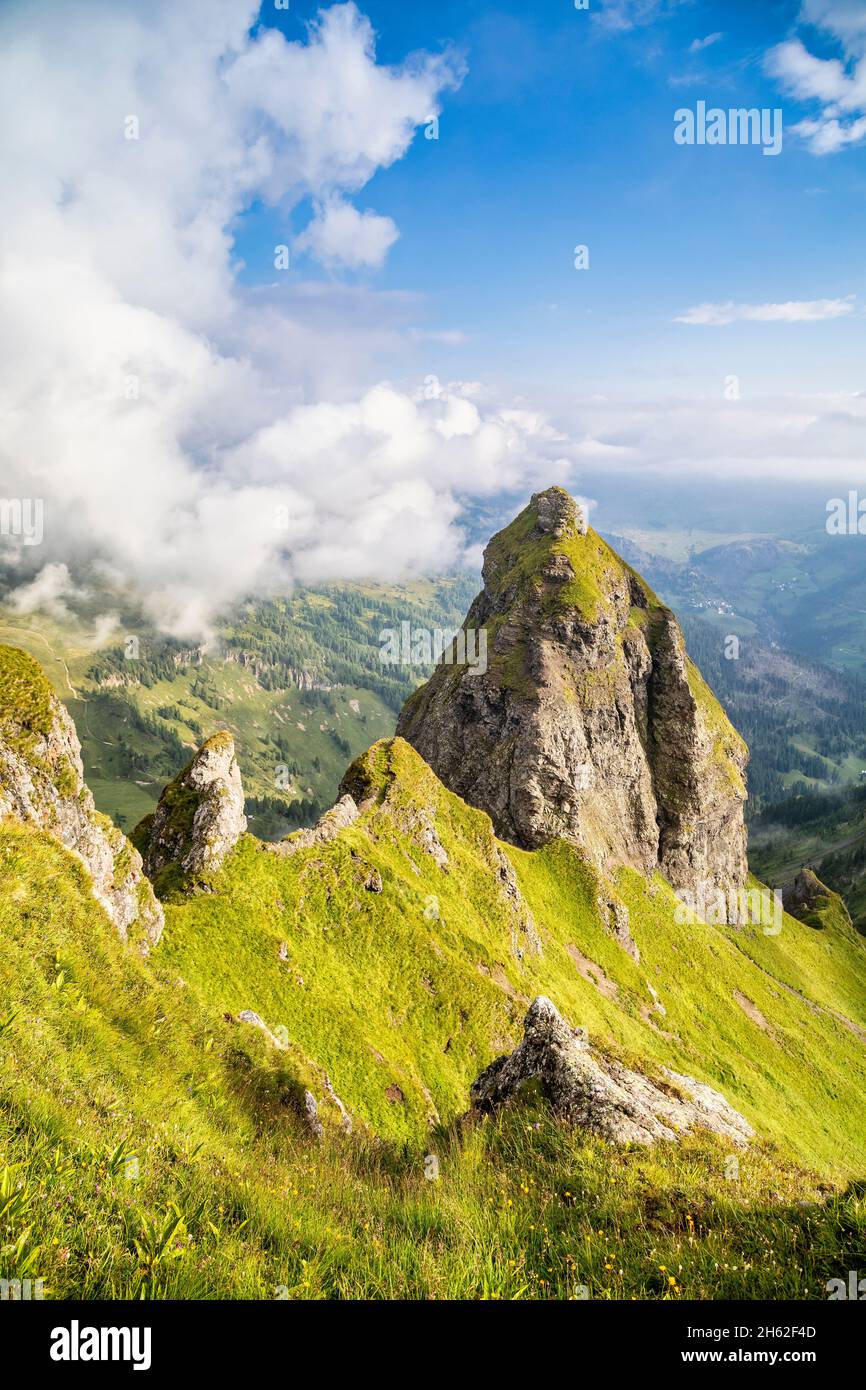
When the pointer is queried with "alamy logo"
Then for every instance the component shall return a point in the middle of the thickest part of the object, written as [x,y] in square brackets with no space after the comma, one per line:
[738,126]
[739,907]
[21,1290]
[76,1343]
[854,1288]
[420,647]
[24,517]
[846,516]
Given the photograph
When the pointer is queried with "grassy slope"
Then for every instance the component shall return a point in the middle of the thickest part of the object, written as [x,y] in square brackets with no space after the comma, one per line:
[382,995]
[107,1050]
[104,1055]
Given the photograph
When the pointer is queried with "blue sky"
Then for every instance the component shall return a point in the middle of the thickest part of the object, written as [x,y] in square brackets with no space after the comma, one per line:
[562,133]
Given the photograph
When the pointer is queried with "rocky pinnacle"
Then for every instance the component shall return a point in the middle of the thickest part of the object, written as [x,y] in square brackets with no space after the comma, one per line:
[589,723]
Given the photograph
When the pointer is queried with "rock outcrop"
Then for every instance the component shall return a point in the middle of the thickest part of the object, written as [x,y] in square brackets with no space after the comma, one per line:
[199,819]
[42,784]
[806,893]
[597,1093]
[587,721]
[808,898]
[327,828]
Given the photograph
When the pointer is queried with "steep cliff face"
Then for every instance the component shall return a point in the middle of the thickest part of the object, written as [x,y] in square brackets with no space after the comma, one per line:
[199,819]
[42,784]
[589,723]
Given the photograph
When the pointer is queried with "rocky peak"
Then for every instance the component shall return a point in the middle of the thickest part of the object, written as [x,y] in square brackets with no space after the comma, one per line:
[589,722]
[199,819]
[558,515]
[42,784]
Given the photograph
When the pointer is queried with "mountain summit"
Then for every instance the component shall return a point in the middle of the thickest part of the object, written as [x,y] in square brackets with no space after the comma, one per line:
[590,722]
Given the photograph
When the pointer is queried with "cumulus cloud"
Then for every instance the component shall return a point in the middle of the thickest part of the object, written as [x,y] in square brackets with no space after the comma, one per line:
[341,235]
[48,592]
[793,311]
[837,85]
[200,439]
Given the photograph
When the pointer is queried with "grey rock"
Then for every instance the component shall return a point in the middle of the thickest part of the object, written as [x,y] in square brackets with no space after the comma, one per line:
[806,894]
[327,828]
[524,932]
[311,1115]
[593,1091]
[589,724]
[615,914]
[345,1117]
[200,816]
[44,786]
[251,1017]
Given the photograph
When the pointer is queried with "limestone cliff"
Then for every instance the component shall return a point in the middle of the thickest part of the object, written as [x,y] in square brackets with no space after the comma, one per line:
[42,784]
[589,722]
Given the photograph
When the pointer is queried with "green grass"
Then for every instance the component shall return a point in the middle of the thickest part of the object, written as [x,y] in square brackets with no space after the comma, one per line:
[152,1146]
[25,713]
[381,994]
[109,1058]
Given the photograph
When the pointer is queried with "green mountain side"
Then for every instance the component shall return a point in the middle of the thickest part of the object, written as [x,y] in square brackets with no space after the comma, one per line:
[272,1095]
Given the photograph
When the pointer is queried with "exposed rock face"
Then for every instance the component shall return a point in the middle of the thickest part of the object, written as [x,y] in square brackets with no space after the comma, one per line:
[42,784]
[200,816]
[589,723]
[599,1094]
[805,894]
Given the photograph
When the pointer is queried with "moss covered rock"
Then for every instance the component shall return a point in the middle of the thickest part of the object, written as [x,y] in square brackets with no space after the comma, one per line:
[199,819]
[42,784]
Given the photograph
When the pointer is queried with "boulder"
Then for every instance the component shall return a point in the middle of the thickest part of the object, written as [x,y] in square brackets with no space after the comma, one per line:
[589,1089]
[199,819]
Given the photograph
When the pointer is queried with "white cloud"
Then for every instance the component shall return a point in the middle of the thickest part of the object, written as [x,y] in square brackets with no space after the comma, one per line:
[47,592]
[620,16]
[793,311]
[341,235]
[200,439]
[837,85]
[783,438]
[698,45]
